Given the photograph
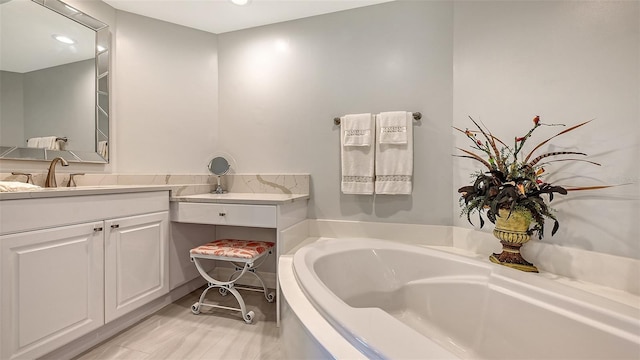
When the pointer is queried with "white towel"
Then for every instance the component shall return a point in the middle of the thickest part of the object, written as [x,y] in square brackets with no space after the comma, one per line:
[33,142]
[13,186]
[392,128]
[50,143]
[357,165]
[44,142]
[357,129]
[394,162]
[103,149]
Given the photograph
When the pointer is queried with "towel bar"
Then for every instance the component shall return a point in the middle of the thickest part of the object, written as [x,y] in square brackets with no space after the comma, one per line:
[58,139]
[416,116]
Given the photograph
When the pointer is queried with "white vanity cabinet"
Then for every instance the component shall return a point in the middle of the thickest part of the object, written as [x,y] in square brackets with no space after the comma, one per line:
[71,264]
[52,288]
[136,262]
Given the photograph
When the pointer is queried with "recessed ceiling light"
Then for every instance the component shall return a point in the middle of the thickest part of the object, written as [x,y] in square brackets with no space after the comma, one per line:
[64,39]
[240,2]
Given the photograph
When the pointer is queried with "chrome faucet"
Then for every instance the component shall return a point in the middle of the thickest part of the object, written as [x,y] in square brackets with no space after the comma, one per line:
[51,175]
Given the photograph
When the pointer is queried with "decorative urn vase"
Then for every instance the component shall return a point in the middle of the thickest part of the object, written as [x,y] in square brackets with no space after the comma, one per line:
[512,231]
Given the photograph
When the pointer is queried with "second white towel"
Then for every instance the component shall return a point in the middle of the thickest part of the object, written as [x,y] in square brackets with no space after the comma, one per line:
[392,127]
[394,161]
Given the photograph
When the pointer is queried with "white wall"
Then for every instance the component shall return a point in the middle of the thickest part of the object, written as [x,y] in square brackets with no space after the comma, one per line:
[567,61]
[282,85]
[166,91]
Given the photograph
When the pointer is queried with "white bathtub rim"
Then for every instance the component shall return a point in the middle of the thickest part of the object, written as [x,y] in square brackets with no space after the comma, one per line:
[323,332]
[574,266]
[366,337]
[601,309]
[522,279]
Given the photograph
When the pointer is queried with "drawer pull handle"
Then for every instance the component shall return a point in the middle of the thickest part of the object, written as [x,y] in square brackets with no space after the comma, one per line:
[115,226]
[96,229]
[222,214]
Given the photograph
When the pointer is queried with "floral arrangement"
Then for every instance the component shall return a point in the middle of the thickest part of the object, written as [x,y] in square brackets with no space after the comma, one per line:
[513,181]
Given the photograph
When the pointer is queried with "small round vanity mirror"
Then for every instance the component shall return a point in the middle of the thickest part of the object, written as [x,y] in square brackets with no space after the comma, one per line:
[219,166]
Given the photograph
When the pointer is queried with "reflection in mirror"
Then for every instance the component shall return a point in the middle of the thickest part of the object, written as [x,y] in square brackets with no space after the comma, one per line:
[219,166]
[54,92]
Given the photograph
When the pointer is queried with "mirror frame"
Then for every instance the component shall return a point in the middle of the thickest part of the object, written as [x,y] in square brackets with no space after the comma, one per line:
[101,97]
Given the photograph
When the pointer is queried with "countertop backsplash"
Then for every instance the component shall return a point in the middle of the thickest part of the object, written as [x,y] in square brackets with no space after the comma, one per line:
[188,183]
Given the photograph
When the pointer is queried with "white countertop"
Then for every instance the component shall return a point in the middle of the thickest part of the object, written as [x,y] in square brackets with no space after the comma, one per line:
[242,198]
[82,191]
[230,198]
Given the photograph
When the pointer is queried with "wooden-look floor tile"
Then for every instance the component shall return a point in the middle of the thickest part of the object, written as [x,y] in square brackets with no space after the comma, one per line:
[114,352]
[175,333]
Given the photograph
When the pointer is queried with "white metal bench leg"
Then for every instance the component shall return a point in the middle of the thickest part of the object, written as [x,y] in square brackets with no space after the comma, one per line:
[233,251]
[247,316]
[228,286]
[270,296]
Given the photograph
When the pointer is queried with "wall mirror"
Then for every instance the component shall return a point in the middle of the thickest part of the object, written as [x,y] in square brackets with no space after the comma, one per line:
[54,82]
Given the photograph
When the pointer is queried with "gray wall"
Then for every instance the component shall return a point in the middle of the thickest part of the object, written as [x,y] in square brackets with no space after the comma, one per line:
[11,109]
[282,85]
[569,62]
[60,101]
[166,97]
[56,101]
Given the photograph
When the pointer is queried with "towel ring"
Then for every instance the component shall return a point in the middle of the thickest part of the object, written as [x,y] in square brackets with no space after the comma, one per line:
[416,116]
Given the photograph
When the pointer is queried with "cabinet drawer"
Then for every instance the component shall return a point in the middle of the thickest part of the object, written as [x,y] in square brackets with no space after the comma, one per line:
[225,214]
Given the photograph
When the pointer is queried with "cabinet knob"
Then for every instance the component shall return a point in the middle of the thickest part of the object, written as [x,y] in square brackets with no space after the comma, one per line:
[96,229]
[115,226]
[222,214]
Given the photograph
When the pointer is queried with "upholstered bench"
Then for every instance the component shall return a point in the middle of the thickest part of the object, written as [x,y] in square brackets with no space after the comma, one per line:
[246,256]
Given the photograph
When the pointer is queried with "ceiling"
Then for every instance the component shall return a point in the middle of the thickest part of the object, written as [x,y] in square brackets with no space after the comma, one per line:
[27,28]
[220,16]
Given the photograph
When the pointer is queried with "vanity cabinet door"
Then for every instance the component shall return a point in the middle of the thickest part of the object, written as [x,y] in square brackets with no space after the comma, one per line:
[51,289]
[136,262]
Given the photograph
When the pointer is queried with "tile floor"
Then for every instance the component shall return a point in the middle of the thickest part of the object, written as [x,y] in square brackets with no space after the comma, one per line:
[175,333]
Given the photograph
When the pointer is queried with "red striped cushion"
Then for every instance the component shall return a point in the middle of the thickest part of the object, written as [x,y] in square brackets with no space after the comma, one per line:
[245,249]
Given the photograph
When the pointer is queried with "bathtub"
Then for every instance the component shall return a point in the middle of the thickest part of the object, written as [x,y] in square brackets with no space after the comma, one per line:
[387,300]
